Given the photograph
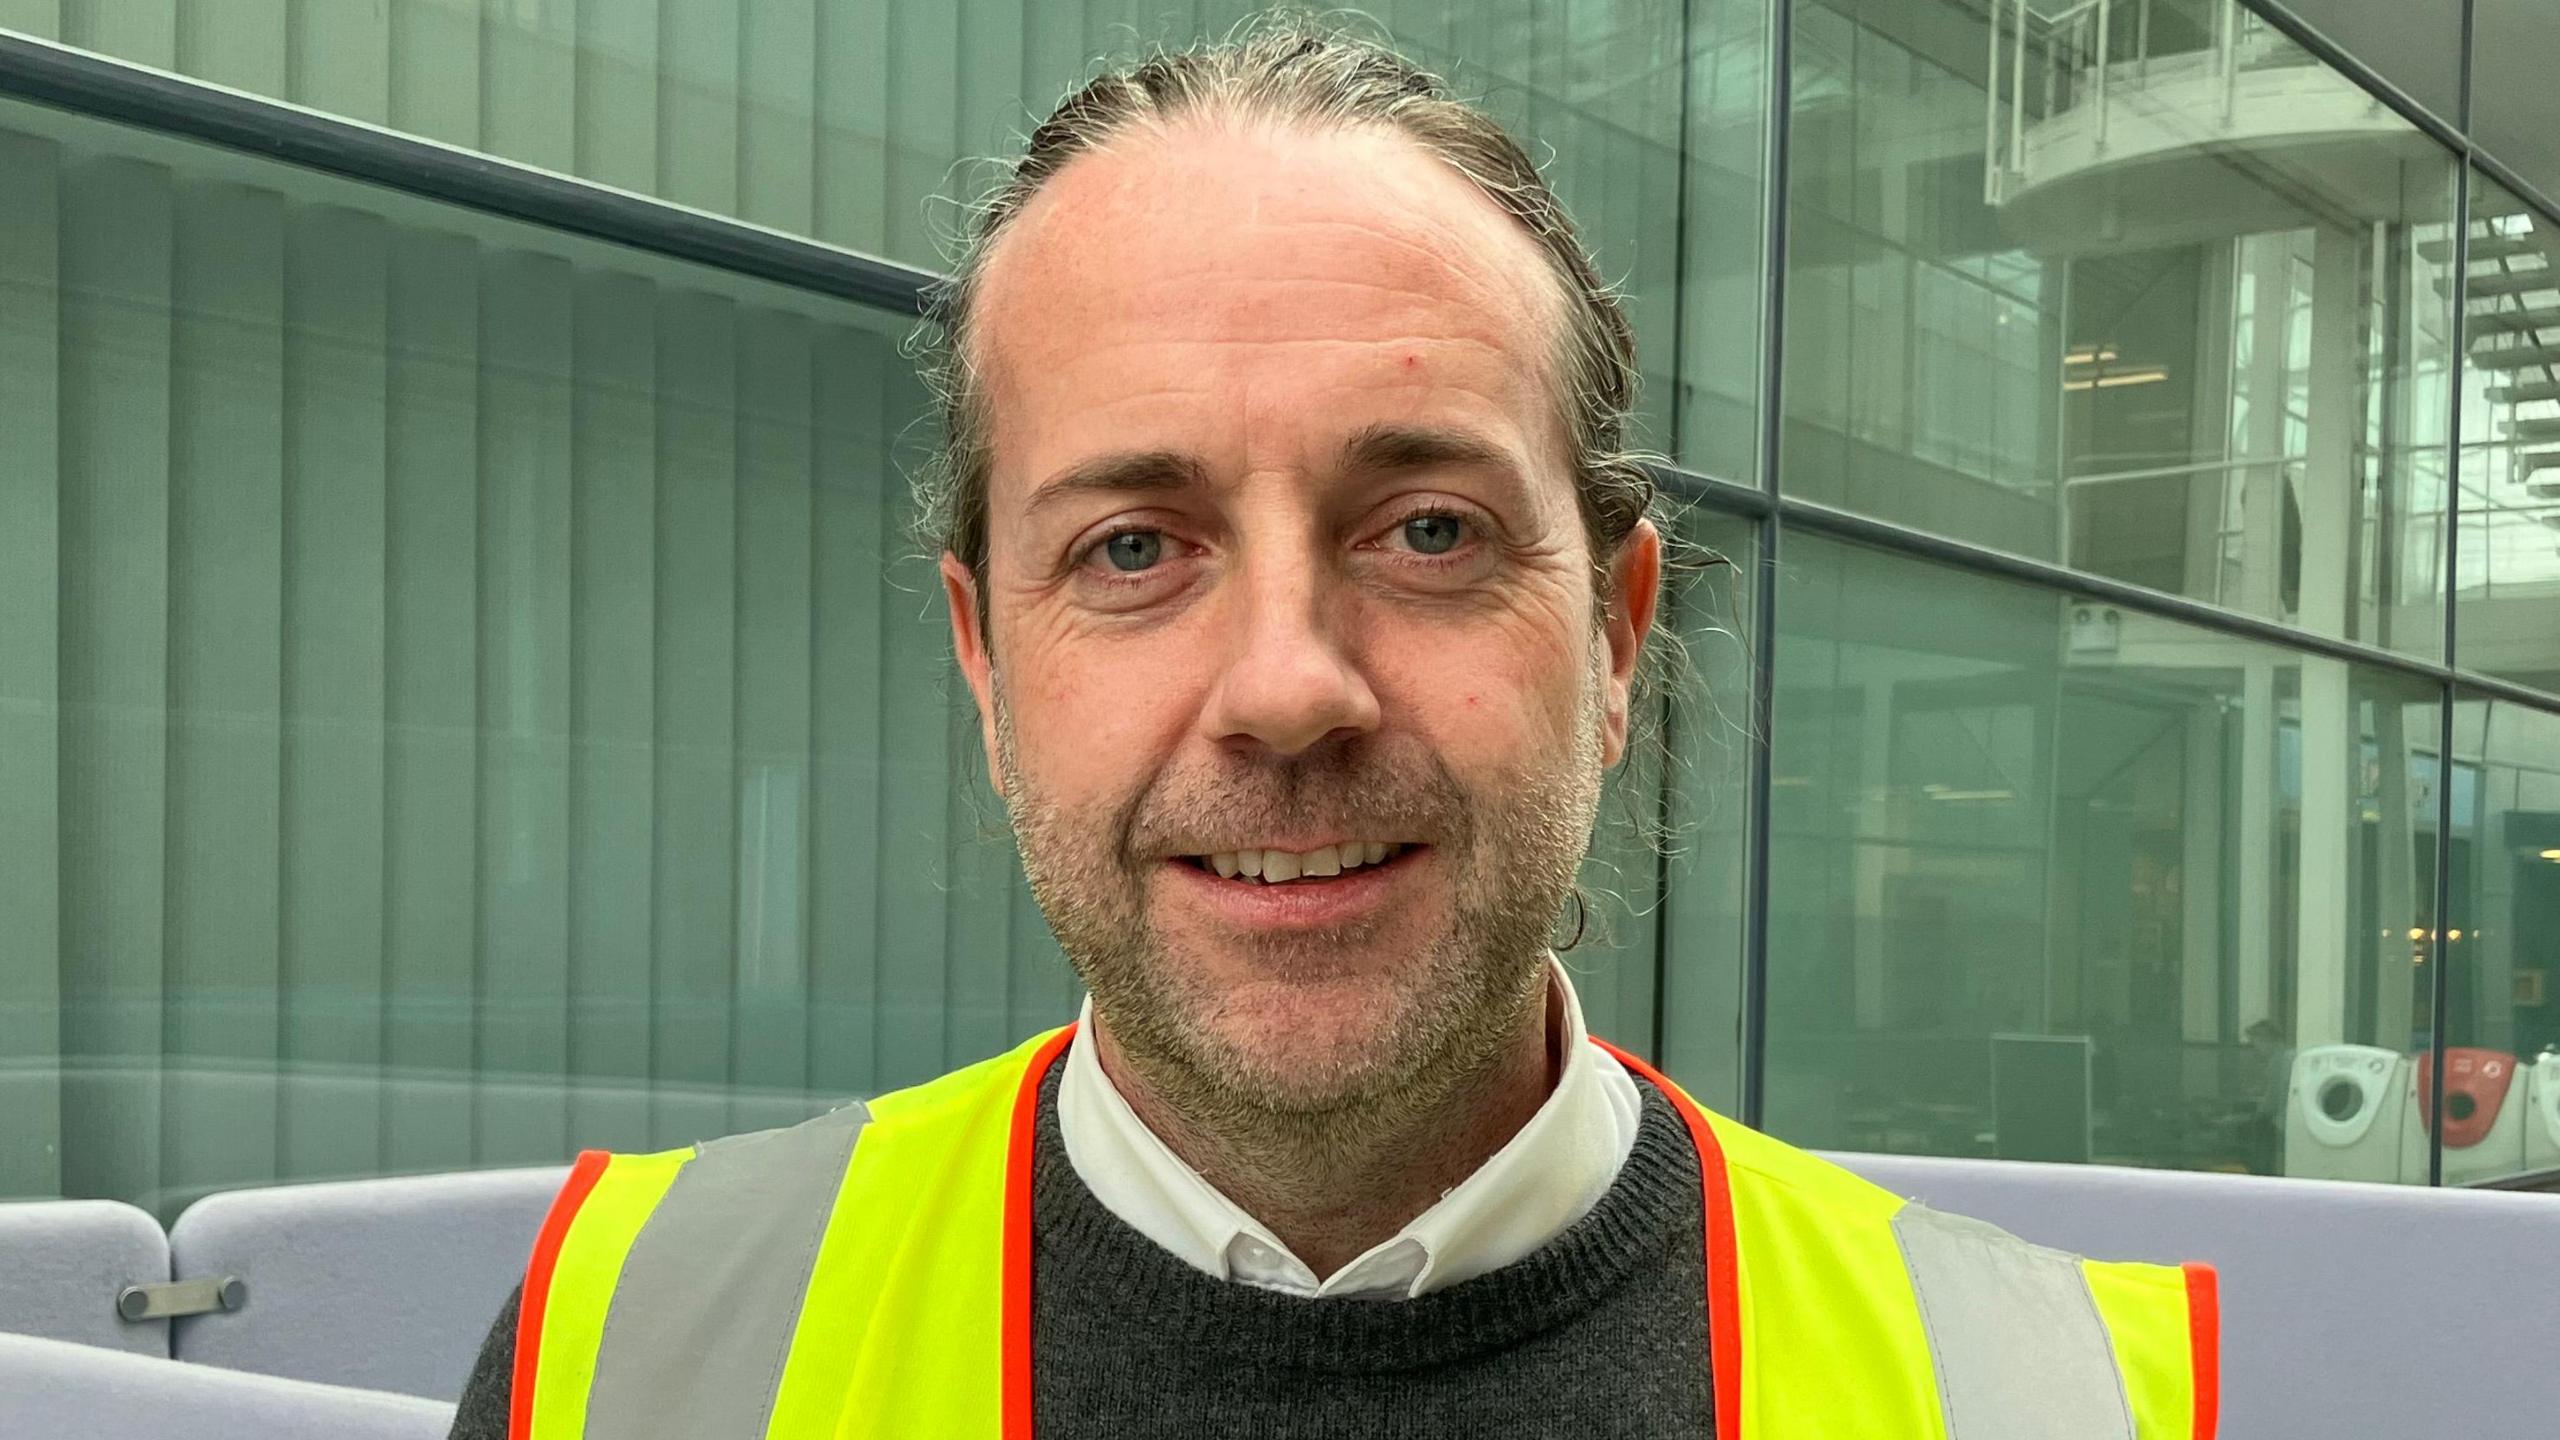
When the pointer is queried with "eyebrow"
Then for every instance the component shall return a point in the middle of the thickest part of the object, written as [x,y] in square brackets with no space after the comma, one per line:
[1137,471]
[1387,447]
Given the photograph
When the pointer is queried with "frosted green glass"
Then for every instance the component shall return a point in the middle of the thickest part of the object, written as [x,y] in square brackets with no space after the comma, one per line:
[1998,812]
[464,693]
[847,121]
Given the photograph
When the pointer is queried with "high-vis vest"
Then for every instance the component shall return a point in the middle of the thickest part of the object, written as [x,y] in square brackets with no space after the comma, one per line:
[868,1273]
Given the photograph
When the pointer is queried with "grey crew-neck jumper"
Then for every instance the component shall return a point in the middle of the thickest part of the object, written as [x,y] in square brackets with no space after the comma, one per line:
[1599,1334]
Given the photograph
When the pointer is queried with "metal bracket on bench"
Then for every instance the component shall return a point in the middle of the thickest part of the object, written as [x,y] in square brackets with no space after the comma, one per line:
[181,1297]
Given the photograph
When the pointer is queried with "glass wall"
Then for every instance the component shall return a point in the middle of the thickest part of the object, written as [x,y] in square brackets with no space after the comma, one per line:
[466,696]
[853,122]
[2514,109]
[2508,581]
[2149,294]
[1703,851]
[2049,880]
[2413,44]
[2502,939]
[2107,300]
[467,693]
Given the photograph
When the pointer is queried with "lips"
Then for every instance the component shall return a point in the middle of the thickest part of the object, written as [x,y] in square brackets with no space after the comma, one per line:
[1304,902]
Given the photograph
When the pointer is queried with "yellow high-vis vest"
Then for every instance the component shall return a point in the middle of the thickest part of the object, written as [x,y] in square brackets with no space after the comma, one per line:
[869,1274]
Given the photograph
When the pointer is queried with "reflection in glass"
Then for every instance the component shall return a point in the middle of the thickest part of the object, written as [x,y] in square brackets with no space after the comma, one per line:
[460,697]
[1717,410]
[2144,289]
[843,122]
[2514,107]
[1706,799]
[2507,580]
[2003,816]
[2502,937]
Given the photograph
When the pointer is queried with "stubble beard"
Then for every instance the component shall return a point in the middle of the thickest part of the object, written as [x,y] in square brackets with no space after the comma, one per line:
[1447,1016]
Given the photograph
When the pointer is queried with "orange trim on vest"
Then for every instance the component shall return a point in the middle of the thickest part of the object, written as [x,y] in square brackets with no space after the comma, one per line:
[537,1286]
[1724,1281]
[2204,1339]
[1016,1324]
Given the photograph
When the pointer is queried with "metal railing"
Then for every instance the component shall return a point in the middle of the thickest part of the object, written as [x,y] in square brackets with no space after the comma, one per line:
[2229,559]
[2042,65]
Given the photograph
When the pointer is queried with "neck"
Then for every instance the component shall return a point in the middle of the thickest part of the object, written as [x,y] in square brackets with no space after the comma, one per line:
[1332,1185]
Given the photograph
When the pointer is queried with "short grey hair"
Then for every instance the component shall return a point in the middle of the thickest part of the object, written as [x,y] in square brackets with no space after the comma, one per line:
[1293,68]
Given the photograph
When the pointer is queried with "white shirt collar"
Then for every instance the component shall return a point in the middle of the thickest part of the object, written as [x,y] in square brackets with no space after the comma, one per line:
[1545,1178]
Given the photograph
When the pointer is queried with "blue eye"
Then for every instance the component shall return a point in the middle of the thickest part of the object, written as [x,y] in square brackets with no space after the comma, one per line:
[1433,534]
[1132,551]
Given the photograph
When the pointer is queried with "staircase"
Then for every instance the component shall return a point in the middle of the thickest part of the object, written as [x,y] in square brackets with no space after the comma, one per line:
[2511,324]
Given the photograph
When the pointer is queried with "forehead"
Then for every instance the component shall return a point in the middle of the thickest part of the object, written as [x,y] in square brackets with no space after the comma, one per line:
[1233,274]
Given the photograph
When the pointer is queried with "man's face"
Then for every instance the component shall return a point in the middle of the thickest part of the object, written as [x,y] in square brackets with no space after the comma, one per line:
[1284,567]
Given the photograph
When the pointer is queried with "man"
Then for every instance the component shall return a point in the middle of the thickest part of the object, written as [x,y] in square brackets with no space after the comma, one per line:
[1302,585]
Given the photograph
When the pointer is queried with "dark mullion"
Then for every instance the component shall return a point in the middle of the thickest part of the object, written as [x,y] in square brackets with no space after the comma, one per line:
[1780,117]
[2439,984]
[1668,747]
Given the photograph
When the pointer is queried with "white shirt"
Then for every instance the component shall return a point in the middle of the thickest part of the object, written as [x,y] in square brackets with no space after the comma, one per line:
[1549,1175]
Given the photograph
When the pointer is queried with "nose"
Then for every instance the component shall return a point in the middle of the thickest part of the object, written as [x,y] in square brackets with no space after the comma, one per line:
[1291,679]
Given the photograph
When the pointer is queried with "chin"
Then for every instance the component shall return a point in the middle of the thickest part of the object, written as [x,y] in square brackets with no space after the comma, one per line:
[1304,1046]
[1300,1083]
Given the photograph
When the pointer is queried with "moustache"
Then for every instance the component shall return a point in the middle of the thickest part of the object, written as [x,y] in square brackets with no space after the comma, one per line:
[1410,799]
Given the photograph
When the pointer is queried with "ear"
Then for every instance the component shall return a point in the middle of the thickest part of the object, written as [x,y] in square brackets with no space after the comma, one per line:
[960,587]
[1635,584]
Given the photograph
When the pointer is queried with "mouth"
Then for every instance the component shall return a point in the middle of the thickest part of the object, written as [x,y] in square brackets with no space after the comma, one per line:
[1266,891]
[1263,866]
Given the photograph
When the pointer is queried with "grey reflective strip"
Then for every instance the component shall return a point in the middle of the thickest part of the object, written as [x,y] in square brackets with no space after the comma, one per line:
[702,1317]
[2017,1343]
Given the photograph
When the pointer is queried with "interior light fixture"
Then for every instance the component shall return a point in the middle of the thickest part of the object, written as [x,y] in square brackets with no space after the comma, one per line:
[2106,380]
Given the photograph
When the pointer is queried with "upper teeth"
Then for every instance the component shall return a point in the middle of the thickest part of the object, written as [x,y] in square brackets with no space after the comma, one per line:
[1268,865]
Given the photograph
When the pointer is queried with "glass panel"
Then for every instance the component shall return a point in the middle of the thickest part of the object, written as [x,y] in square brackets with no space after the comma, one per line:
[843,121]
[2502,934]
[1594,89]
[2508,555]
[2414,44]
[1717,410]
[1707,798]
[1664,879]
[2053,880]
[2144,290]
[463,694]
[2515,109]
